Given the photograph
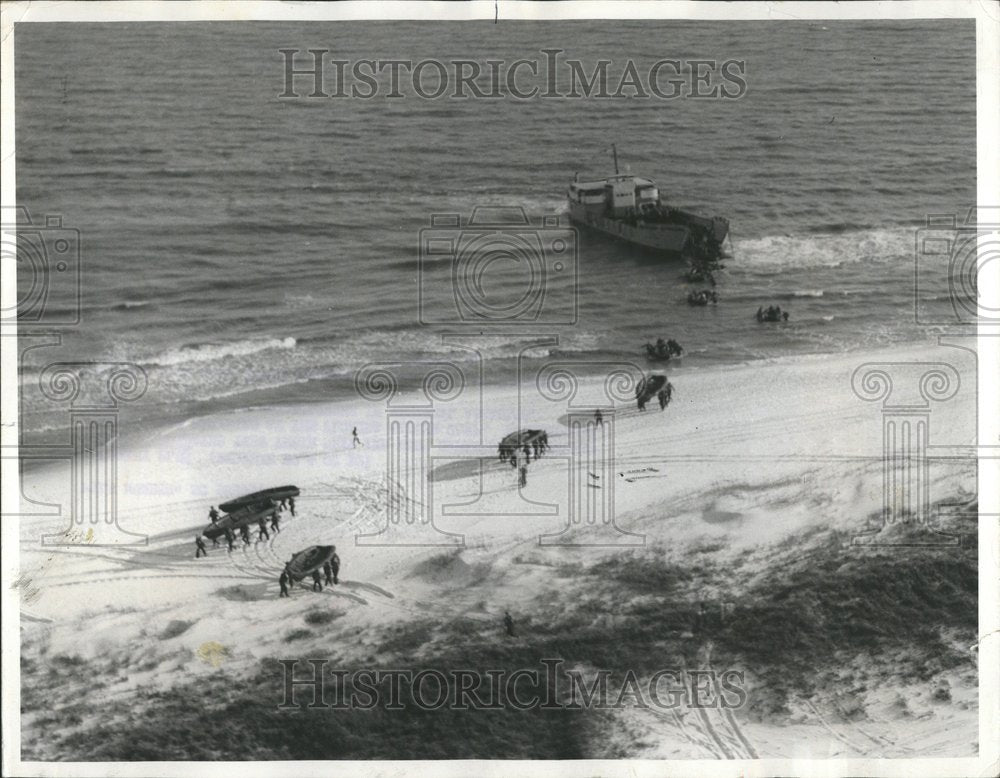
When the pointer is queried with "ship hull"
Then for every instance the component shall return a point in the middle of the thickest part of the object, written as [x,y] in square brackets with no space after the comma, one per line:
[671,239]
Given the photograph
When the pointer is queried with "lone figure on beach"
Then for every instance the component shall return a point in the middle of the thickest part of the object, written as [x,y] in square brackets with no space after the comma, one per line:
[356,440]
[200,551]
[665,395]
[317,582]
[283,583]
[508,622]
[335,565]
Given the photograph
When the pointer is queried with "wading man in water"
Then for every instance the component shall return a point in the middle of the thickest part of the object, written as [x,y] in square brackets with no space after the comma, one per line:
[283,583]
[213,515]
[356,440]
[274,521]
[200,551]
[317,582]
[291,505]
[327,573]
[230,538]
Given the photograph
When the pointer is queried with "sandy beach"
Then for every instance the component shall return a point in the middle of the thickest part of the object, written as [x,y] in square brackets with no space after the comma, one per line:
[753,481]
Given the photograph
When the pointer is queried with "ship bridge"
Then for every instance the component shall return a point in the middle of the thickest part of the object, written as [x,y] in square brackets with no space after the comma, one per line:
[618,195]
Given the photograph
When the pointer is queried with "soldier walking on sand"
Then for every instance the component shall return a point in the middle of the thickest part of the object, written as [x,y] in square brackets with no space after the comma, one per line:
[200,551]
[335,566]
[283,583]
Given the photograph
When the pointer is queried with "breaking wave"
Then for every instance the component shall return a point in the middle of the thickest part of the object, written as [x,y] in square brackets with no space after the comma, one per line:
[213,352]
[832,249]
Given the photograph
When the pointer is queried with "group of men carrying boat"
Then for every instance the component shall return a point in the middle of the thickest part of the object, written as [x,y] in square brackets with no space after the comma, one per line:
[771,313]
[264,520]
[309,563]
[526,442]
[321,563]
[663,350]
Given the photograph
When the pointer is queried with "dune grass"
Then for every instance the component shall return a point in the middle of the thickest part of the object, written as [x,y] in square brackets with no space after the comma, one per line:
[819,600]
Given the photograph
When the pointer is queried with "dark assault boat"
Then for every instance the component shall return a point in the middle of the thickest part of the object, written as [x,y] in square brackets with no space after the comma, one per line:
[243,516]
[309,561]
[276,493]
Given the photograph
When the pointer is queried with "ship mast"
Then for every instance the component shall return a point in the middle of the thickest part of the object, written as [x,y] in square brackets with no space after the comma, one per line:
[614,150]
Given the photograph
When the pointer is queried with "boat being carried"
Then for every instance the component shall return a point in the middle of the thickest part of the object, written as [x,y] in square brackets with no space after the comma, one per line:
[276,493]
[631,209]
[244,515]
[308,561]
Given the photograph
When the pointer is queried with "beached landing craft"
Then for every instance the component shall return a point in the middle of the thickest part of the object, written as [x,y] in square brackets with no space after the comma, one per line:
[630,208]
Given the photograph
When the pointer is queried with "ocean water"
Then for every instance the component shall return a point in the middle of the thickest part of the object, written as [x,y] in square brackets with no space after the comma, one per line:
[247,250]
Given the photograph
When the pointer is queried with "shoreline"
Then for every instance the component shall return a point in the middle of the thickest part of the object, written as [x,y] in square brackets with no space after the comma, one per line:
[729,431]
[135,433]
